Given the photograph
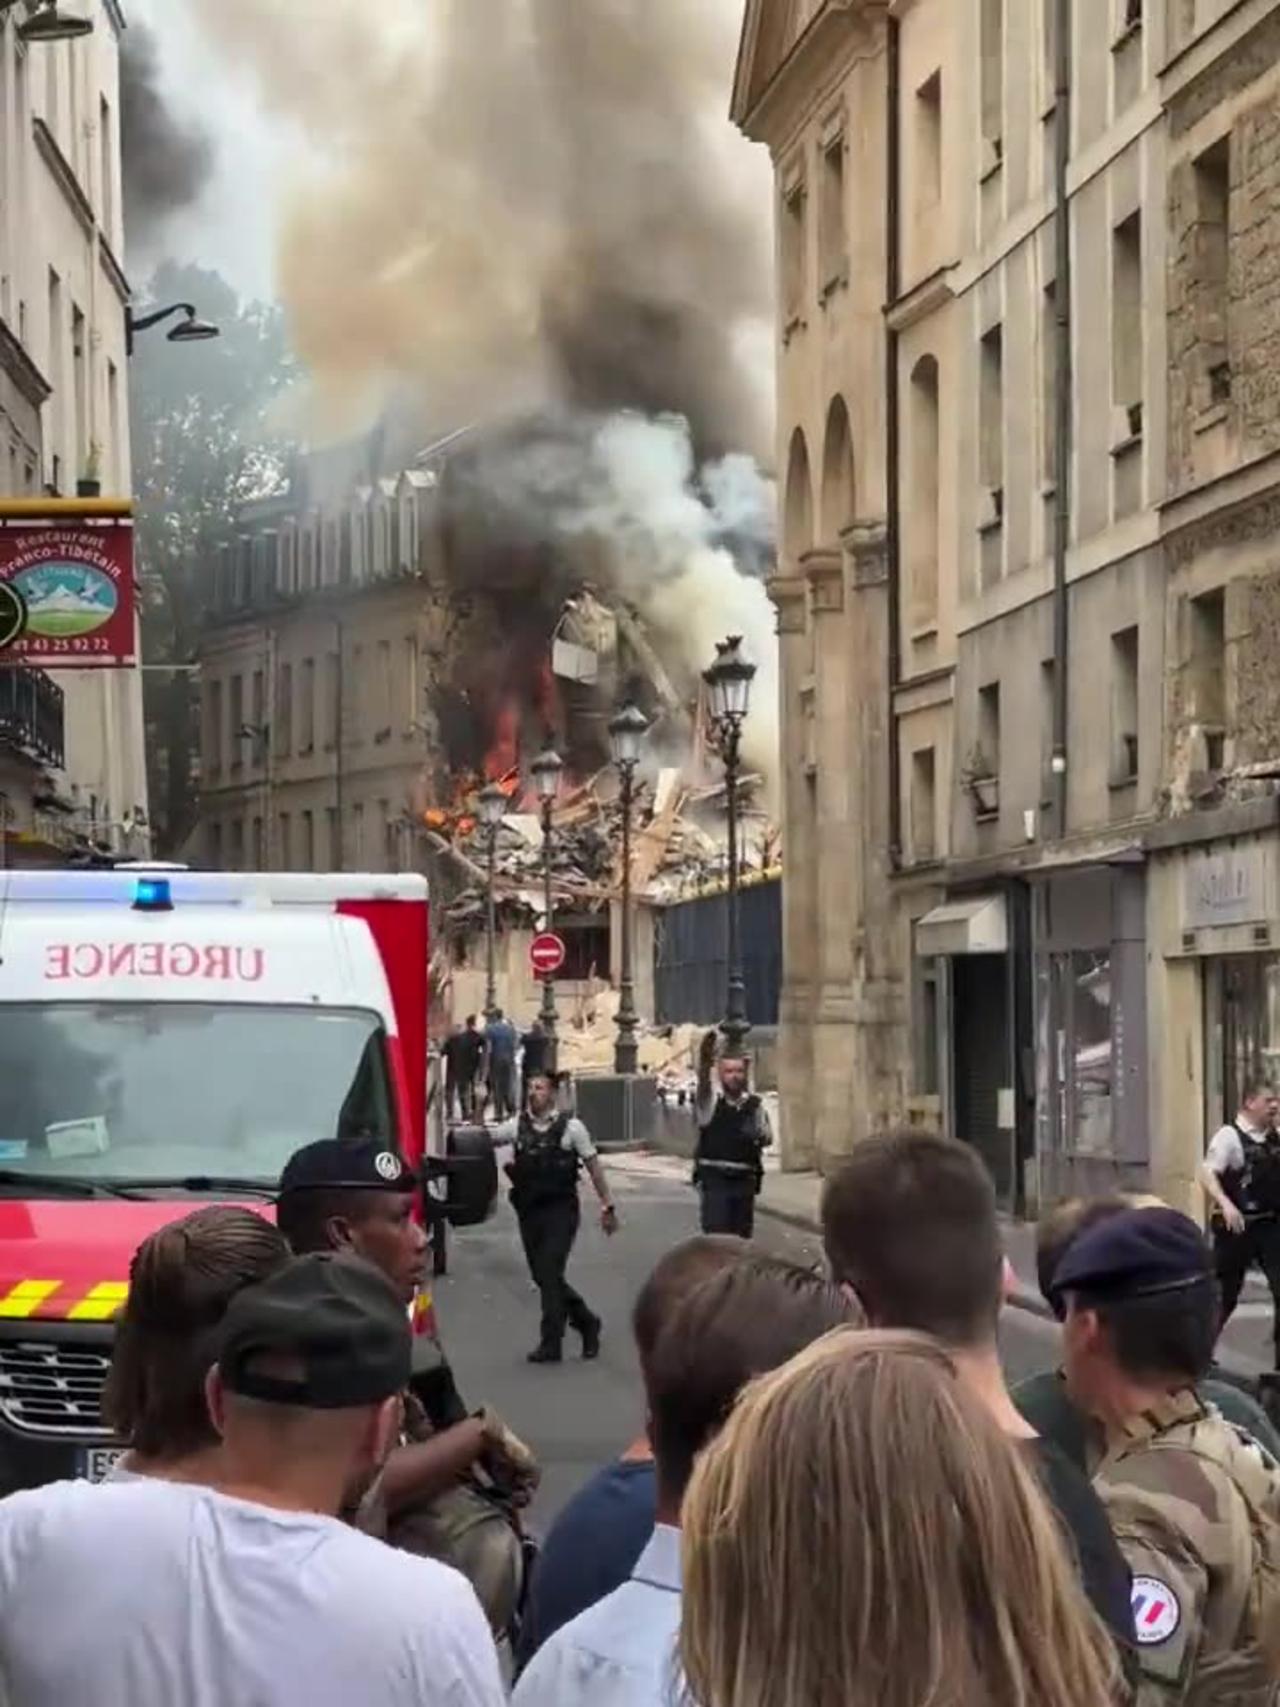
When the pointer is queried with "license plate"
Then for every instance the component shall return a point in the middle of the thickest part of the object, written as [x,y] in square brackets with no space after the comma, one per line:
[95,1463]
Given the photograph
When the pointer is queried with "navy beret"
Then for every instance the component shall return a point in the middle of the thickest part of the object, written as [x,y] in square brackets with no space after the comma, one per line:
[339,1164]
[1135,1254]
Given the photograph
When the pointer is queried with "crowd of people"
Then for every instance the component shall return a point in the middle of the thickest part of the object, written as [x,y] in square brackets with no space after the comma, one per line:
[834,1499]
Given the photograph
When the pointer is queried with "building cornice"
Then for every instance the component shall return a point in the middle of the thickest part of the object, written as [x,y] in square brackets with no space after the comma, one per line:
[922,299]
[1225,493]
[1211,45]
[836,34]
[64,175]
[114,271]
[22,370]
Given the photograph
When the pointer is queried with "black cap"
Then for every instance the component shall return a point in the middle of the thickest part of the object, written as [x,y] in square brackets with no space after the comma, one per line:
[340,1164]
[1136,1254]
[337,1318]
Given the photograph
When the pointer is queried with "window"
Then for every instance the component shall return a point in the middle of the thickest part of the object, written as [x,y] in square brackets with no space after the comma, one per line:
[1126,326]
[924,807]
[411,683]
[258,728]
[793,247]
[357,835]
[833,238]
[307,708]
[929,142]
[335,838]
[1124,707]
[80,390]
[213,727]
[236,710]
[356,696]
[987,758]
[286,842]
[106,172]
[308,842]
[991,422]
[382,692]
[1207,658]
[926,993]
[284,712]
[332,701]
[1211,269]
[991,82]
[57,378]
[922,517]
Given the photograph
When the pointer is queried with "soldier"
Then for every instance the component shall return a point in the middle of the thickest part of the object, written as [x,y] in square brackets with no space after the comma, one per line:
[1195,1502]
[733,1132]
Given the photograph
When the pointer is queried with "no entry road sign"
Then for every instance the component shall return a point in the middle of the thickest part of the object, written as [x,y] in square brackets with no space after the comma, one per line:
[547,954]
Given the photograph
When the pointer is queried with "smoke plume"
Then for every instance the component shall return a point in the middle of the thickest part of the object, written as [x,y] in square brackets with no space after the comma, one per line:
[166,163]
[534,216]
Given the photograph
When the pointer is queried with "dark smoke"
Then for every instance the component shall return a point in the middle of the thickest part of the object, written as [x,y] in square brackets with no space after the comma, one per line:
[166,162]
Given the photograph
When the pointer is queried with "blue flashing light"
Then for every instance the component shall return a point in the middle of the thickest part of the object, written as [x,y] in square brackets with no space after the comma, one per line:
[151,895]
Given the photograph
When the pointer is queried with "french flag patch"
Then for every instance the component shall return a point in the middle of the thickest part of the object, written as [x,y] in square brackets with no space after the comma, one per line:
[1156,1612]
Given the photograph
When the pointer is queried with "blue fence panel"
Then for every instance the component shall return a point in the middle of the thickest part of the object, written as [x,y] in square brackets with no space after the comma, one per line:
[690,956]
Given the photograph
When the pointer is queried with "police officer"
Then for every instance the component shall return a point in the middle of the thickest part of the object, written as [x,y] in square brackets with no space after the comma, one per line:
[551,1147]
[1194,1502]
[733,1132]
[1240,1175]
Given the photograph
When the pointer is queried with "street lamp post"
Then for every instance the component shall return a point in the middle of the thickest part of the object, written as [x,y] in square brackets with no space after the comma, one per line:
[493,806]
[547,769]
[626,733]
[728,683]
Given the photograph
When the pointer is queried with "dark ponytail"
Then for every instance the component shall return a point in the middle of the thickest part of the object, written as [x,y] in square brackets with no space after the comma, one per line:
[181,1280]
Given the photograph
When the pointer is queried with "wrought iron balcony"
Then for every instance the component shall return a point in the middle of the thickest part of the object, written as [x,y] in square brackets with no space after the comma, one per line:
[31,714]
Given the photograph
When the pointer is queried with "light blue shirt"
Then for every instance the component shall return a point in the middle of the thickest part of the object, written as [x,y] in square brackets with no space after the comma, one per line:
[621,1652]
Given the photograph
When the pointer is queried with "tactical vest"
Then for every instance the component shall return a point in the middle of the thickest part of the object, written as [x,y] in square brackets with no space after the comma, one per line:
[543,1169]
[732,1134]
[1255,1188]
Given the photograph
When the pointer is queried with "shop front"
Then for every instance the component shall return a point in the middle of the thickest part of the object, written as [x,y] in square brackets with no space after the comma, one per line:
[1089,936]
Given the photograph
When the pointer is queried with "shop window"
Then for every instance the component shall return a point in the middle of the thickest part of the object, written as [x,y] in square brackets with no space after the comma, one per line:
[1091,1087]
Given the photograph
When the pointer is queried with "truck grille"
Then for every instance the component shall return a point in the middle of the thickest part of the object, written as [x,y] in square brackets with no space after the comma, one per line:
[52,1389]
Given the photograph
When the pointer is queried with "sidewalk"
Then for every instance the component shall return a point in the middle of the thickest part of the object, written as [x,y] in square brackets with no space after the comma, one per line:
[1245,1348]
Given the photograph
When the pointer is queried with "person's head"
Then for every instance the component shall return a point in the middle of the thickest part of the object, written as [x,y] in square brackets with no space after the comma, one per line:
[1060,1227]
[357,1198]
[306,1389]
[1258,1104]
[862,1534]
[471,1022]
[733,1075]
[749,1318]
[909,1224]
[674,1277]
[1141,1309]
[181,1280]
[497,1015]
[541,1094]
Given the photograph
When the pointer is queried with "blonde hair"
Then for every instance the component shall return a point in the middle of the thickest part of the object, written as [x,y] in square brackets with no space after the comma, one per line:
[861,1534]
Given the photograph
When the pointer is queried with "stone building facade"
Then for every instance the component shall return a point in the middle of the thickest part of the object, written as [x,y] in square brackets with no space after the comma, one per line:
[72,767]
[1027,411]
[322,625]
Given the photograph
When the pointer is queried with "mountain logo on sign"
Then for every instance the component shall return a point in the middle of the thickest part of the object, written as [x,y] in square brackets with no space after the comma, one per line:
[66,599]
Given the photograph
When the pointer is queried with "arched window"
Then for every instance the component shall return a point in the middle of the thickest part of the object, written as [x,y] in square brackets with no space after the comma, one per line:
[797,516]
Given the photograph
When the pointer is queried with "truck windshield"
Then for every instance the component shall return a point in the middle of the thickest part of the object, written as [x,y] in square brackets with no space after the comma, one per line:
[158,1091]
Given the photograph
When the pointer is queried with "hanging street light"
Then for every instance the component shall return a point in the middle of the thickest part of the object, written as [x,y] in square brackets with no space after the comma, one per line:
[48,24]
[492,803]
[547,770]
[191,329]
[627,731]
[728,682]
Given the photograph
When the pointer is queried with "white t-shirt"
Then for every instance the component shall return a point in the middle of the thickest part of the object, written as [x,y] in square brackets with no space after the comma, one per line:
[576,1137]
[156,1594]
[1225,1152]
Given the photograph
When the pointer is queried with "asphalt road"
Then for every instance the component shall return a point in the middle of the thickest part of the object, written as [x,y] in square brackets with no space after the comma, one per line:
[578,1415]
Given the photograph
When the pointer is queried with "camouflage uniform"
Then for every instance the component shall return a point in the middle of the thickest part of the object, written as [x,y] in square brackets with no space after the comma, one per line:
[1195,1504]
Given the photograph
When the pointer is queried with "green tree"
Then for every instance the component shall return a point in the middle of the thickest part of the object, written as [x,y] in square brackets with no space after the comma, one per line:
[203,446]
